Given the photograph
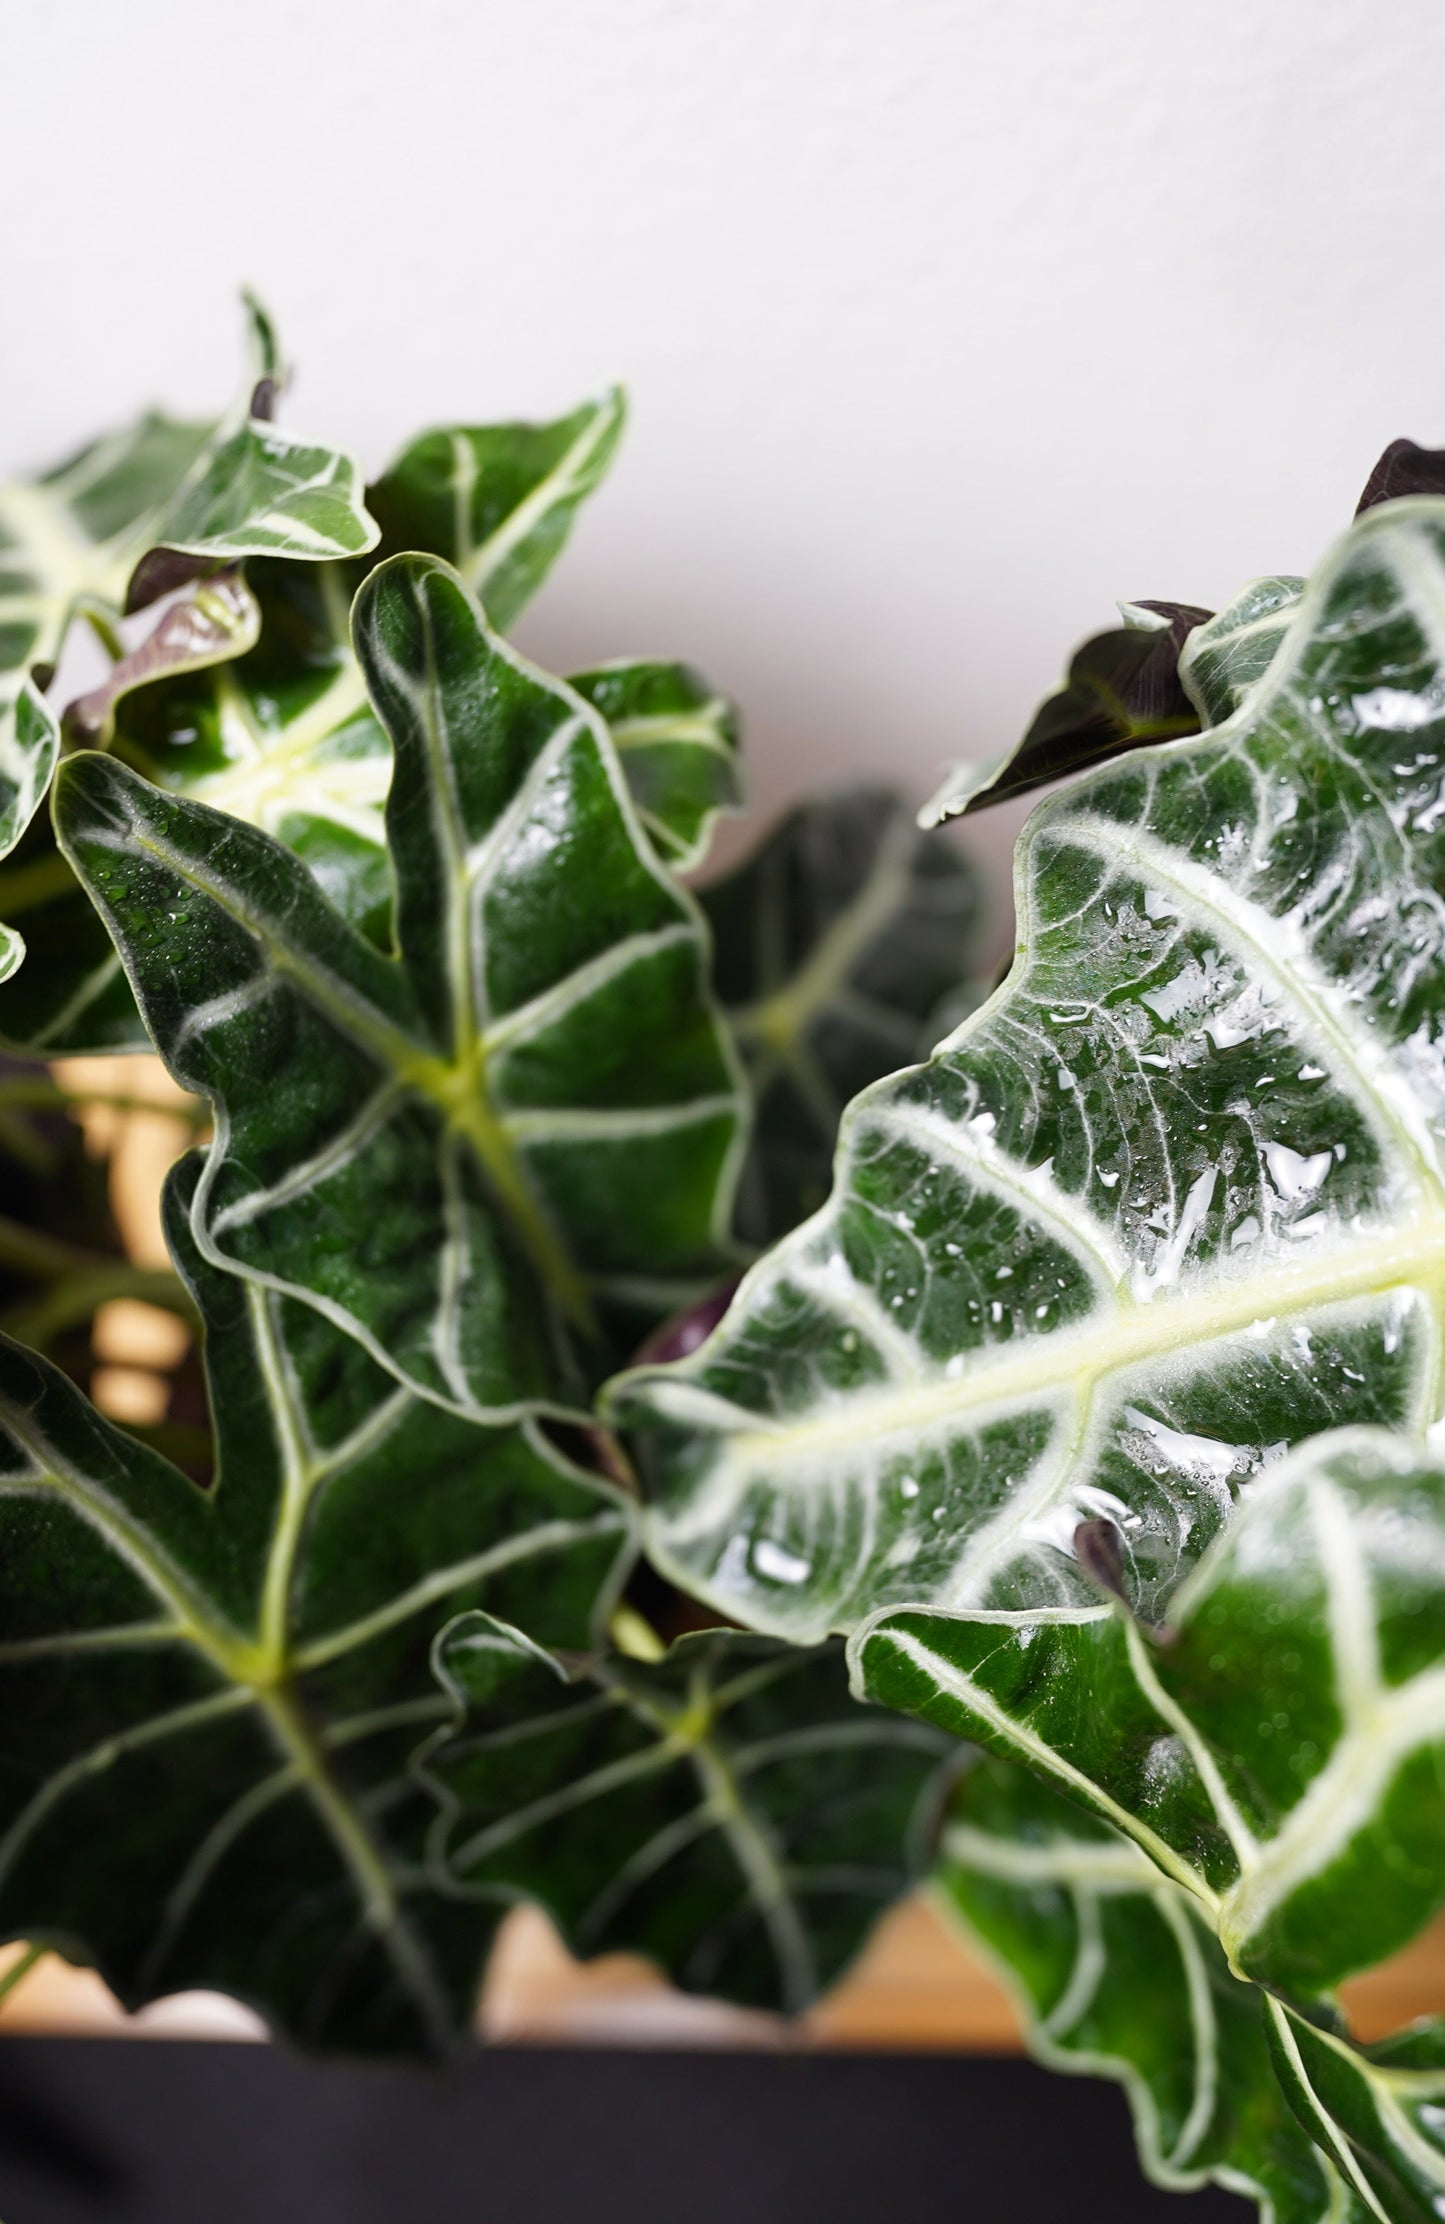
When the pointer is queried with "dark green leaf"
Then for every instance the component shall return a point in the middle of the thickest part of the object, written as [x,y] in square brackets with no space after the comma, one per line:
[1172,1200]
[1284,1745]
[211,1699]
[1119,1975]
[472,1154]
[844,946]
[677,739]
[1276,1758]
[1377,2112]
[497,501]
[729,1811]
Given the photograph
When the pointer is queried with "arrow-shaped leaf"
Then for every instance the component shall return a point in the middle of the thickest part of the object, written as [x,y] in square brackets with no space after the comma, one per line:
[678,742]
[840,946]
[1122,692]
[130,516]
[1168,669]
[727,1811]
[1277,1755]
[284,736]
[1172,1200]
[210,1699]
[1404,468]
[469,1153]
[1120,1975]
[497,501]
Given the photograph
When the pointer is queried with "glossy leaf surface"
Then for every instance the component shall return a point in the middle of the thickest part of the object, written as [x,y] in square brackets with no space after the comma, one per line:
[210,1699]
[497,501]
[1280,1755]
[841,947]
[84,539]
[1223,660]
[1266,1779]
[284,736]
[470,1154]
[728,1811]
[74,538]
[1119,1974]
[1123,691]
[1170,1202]
[677,739]
[1377,2112]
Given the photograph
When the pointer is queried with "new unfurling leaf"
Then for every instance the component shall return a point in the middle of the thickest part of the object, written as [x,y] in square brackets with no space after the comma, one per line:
[1124,691]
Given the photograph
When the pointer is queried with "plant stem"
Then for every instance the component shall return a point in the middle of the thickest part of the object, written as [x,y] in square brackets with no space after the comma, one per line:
[44,1258]
[38,1321]
[26,887]
[37,1155]
[103,625]
[38,1093]
[19,1970]
[79,1281]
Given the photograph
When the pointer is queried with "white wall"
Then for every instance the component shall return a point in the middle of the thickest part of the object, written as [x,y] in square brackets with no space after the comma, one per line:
[946,321]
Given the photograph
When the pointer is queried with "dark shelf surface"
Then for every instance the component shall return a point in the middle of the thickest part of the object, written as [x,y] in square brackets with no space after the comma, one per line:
[190,2133]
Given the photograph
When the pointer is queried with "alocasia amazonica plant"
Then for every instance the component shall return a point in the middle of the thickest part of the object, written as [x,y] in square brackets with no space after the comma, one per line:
[131,515]
[1084,1420]
[402,911]
[1274,1751]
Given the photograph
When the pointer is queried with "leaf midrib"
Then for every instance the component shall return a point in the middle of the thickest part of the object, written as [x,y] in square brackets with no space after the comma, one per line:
[1344,2156]
[1248,928]
[259,1672]
[948,1678]
[1334,1276]
[479,562]
[698,728]
[781,1017]
[452,1087]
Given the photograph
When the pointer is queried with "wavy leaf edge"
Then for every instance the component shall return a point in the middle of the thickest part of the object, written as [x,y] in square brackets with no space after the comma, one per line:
[636,1398]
